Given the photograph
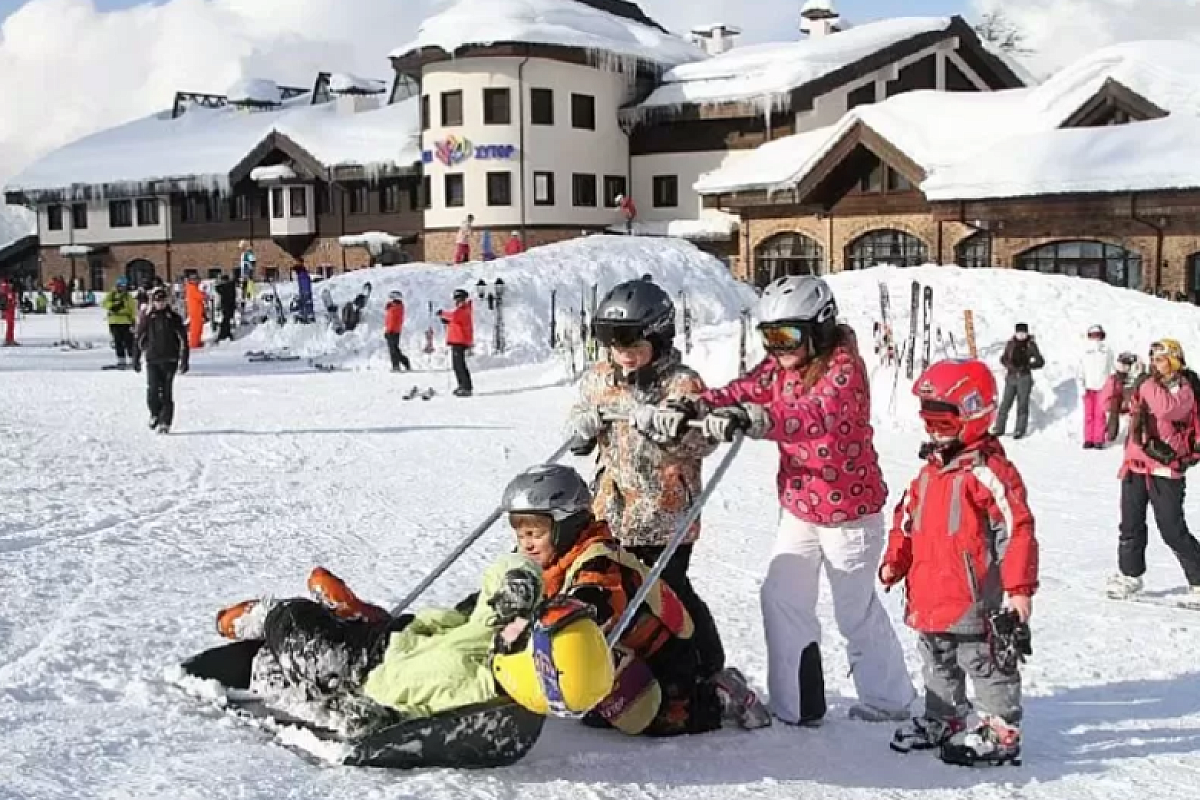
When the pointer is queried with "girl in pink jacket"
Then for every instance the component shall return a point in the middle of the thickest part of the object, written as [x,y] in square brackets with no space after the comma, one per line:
[1157,451]
[811,397]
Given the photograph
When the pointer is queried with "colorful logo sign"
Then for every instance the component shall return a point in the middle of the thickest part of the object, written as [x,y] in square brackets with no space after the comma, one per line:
[454,150]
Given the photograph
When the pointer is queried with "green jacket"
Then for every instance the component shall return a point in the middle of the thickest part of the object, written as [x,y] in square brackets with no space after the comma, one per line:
[441,660]
[121,308]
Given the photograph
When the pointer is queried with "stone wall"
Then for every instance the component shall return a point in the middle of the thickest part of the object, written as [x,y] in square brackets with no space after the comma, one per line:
[439,244]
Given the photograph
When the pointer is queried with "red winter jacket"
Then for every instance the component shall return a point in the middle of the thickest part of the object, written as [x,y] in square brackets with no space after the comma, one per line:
[460,328]
[393,317]
[957,523]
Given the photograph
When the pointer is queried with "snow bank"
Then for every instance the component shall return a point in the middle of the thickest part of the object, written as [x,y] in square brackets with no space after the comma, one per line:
[553,22]
[710,226]
[1058,308]
[571,268]
[375,241]
[769,71]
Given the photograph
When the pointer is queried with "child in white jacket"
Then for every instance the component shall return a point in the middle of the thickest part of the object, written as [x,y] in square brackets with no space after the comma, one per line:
[1095,368]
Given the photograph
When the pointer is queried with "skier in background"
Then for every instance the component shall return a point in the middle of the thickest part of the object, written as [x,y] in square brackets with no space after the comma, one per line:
[628,212]
[1021,357]
[462,241]
[650,465]
[393,326]
[194,300]
[122,314]
[963,540]
[1119,391]
[163,342]
[514,246]
[812,397]
[227,293]
[460,337]
[1095,370]
[304,293]
[485,247]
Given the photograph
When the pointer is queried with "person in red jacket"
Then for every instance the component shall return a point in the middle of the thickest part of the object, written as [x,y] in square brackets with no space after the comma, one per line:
[515,245]
[460,337]
[393,326]
[963,539]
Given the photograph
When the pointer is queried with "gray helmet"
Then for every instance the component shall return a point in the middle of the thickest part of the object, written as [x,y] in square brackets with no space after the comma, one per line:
[634,311]
[802,300]
[556,491]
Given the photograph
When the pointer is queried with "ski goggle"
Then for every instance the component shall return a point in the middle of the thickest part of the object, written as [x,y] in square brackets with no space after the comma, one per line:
[940,417]
[617,335]
[782,338]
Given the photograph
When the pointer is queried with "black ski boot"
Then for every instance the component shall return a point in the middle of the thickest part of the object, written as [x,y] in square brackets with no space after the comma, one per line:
[924,733]
[993,743]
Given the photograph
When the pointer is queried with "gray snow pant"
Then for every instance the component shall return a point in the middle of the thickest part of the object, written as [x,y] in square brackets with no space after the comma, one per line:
[947,659]
[1016,387]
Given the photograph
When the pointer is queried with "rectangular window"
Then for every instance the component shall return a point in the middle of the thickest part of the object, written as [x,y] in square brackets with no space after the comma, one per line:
[499,188]
[214,273]
[614,187]
[425,123]
[872,183]
[389,198]
[79,220]
[147,211]
[452,109]
[414,196]
[497,107]
[264,204]
[196,208]
[239,207]
[54,217]
[321,191]
[862,96]
[541,106]
[96,273]
[583,112]
[427,191]
[298,201]
[277,202]
[456,192]
[543,188]
[897,182]
[666,191]
[120,213]
[359,198]
[583,190]
[272,273]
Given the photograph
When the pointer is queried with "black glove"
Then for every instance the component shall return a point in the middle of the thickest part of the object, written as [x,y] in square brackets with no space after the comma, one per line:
[582,447]
[516,598]
[1010,640]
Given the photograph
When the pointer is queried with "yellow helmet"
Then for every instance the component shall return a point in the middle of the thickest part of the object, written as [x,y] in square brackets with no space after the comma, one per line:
[564,668]
[1172,350]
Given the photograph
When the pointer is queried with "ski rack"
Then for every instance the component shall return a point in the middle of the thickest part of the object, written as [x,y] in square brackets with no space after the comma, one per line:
[462,547]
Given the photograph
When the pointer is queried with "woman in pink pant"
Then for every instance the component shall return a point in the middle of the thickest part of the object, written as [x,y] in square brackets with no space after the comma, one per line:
[1095,369]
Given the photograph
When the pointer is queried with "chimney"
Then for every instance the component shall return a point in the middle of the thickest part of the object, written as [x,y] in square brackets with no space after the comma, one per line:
[818,18]
[714,39]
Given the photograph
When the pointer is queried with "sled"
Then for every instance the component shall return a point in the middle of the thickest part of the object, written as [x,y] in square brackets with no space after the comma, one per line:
[498,733]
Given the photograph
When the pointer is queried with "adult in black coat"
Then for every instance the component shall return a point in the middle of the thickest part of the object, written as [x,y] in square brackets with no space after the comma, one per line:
[1021,357]
[227,295]
[162,340]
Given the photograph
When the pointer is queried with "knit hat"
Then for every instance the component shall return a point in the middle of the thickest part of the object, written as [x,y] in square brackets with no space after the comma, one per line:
[1022,327]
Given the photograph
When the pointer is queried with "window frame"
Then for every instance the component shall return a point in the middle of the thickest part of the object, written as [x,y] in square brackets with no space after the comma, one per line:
[665,191]
[490,105]
[446,97]
[502,199]
[54,217]
[589,108]
[460,182]
[76,216]
[117,219]
[584,179]
[550,199]
[548,95]
[154,217]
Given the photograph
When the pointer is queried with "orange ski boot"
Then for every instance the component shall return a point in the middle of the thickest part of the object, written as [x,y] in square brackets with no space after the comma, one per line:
[331,591]
[231,621]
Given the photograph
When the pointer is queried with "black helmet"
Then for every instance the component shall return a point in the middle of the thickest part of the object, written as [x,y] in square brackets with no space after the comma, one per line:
[461,294]
[555,491]
[633,311]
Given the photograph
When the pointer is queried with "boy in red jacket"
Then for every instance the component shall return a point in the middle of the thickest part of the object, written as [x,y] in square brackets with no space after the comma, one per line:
[393,326]
[460,337]
[963,538]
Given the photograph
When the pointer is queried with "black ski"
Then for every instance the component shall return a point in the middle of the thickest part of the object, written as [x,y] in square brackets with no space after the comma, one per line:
[417,391]
[911,346]
[927,320]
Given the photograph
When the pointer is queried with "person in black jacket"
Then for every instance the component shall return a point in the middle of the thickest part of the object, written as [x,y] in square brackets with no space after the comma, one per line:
[1021,357]
[227,294]
[162,339]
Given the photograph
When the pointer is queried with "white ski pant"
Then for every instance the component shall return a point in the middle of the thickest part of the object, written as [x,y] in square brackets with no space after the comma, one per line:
[850,554]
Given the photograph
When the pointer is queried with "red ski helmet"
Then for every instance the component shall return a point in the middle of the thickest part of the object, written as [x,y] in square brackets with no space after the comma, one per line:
[958,399]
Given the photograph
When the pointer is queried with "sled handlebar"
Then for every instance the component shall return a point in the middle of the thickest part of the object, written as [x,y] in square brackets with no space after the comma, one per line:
[615,417]
[463,545]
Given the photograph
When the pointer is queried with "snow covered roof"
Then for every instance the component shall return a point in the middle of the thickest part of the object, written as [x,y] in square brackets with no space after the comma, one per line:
[1157,155]
[15,223]
[767,72]
[345,83]
[818,6]
[553,22]
[275,172]
[255,91]
[938,129]
[198,149]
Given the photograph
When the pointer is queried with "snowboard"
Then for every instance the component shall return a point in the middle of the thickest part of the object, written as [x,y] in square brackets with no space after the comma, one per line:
[120,367]
[416,391]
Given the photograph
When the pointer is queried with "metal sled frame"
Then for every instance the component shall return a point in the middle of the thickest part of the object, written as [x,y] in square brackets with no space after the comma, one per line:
[480,736]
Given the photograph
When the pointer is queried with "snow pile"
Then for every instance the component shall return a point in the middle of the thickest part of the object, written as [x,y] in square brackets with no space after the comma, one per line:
[375,241]
[345,83]
[711,226]
[955,130]
[1058,309]
[1145,156]
[16,222]
[200,147]
[276,172]
[571,268]
[552,22]
[258,91]
[769,72]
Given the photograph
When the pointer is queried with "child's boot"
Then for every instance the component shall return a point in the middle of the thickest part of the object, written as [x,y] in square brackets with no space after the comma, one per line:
[992,743]
[924,733]
[331,591]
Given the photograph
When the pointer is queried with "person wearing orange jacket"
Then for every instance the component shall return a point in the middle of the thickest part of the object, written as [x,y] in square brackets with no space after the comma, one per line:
[194,299]
[393,325]
[460,337]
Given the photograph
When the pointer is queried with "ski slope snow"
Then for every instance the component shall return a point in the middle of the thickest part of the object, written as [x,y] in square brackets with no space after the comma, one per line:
[117,547]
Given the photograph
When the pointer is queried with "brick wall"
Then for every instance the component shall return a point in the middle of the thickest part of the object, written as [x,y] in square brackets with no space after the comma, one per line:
[439,245]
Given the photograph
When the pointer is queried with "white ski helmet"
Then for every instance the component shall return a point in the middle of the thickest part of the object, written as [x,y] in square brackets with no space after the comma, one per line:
[803,300]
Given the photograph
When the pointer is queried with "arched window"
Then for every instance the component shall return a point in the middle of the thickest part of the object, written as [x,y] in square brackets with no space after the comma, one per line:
[787,254]
[1096,260]
[886,247]
[974,252]
[139,271]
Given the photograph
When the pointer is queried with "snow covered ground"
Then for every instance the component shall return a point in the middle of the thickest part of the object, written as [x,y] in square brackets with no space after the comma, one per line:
[117,547]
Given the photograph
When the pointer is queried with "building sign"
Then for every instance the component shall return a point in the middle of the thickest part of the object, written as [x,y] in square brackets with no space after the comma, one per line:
[454,150]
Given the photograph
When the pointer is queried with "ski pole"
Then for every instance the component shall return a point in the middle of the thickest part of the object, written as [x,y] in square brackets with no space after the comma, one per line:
[462,547]
[615,417]
[680,533]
